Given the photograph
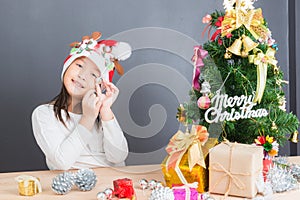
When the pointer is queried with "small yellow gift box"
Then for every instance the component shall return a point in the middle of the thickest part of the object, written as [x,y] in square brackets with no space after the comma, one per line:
[28,185]
[187,159]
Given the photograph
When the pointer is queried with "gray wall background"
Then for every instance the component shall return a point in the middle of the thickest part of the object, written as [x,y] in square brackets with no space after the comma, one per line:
[34,40]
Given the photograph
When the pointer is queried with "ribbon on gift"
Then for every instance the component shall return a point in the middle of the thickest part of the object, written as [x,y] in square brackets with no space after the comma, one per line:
[227,173]
[199,54]
[191,142]
[26,179]
[252,19]
[262,61]
[187,187]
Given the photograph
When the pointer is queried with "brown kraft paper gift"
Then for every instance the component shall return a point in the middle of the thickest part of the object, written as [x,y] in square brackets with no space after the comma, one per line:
[234,169]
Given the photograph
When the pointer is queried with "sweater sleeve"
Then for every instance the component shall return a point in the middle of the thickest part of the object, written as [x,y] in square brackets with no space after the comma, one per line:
[61,150]
[114,142]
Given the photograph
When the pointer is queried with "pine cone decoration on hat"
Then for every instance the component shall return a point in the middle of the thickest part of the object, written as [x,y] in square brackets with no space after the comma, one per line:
[85,179]
[162,193]
[62,183]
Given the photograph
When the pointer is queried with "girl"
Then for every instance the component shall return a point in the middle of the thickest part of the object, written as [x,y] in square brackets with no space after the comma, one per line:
[78,129]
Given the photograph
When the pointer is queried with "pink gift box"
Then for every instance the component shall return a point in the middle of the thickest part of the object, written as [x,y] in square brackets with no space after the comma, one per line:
[180,192]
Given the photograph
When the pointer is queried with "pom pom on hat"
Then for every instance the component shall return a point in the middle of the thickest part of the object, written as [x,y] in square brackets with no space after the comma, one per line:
[105,54]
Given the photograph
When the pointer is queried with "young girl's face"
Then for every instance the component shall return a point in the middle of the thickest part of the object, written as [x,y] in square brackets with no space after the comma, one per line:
[80,77]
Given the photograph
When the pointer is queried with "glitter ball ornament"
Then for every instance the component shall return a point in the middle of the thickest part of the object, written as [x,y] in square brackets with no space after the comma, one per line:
[152,184]
[108,192]
[85,179]
[143,183]
[281,179]
[164,193]
[101,196]
[203,102]
[62,183]
[295,170]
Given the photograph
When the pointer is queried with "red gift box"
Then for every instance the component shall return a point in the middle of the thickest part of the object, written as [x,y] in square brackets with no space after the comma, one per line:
[123,188]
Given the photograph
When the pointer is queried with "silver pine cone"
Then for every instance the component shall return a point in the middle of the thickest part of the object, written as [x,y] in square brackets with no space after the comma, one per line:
[62,183]
[85,179]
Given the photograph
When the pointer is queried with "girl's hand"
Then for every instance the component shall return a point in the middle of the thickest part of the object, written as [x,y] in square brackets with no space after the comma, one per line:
[91,104]
[107,99]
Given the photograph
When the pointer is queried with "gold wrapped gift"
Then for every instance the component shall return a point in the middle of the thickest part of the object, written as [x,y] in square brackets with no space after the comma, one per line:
[198,174]
[28,185]
[187,159]
[234,169]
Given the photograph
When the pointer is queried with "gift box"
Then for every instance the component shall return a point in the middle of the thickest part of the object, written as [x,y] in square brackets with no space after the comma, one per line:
[183,166]
[123,188]
[234,169]
[198,174]
[185,192]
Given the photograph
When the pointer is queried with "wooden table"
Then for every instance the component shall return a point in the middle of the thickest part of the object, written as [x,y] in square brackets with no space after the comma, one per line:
[9,191]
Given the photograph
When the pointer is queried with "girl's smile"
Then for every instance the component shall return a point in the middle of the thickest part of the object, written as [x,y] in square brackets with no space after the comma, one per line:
[77,83]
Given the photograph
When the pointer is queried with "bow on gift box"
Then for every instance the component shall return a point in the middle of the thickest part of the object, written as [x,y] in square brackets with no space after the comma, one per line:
[199,54]
[262,60]
[191,142]
[252,19]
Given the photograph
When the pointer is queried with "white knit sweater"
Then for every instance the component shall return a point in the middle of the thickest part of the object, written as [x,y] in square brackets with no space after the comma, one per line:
[75,146]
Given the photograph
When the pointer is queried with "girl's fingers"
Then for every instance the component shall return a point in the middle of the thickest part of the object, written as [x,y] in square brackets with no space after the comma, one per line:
[98,89]
[88,95]
[98,104]
[101,97]
[112,87]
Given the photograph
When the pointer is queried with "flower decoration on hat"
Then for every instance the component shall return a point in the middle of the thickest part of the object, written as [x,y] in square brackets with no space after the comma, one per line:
[88,44]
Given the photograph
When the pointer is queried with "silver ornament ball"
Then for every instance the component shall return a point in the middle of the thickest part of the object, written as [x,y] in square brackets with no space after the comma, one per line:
[108,192]
[152,184]
[101,196]
[143,183]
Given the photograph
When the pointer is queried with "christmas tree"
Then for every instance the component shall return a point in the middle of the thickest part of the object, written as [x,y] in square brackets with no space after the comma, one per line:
[240,84]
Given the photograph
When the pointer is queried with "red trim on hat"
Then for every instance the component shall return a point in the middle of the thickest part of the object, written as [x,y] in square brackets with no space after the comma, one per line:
[110,75]
[69,56]
[108,42]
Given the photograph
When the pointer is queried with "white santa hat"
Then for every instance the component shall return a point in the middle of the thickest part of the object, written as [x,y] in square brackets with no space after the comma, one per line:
[105,54]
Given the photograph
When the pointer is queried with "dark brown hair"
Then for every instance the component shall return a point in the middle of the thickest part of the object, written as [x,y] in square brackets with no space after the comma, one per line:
[61,103]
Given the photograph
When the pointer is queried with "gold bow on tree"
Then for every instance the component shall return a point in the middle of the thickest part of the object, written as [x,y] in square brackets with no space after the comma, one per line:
[262,60]
[192,142]
[252,19]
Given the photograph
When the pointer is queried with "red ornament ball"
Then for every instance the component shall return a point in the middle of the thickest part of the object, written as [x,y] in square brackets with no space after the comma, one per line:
[203,102]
